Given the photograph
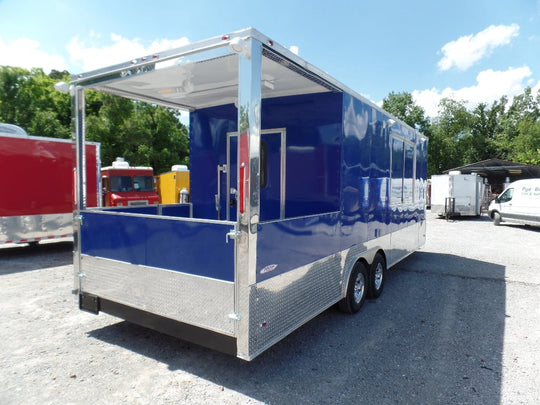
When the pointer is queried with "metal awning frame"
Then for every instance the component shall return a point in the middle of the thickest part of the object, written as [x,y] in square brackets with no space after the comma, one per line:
[110,79]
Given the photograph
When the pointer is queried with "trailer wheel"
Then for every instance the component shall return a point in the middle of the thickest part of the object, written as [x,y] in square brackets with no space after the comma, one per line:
[377,275]
[356,290]
[496,218]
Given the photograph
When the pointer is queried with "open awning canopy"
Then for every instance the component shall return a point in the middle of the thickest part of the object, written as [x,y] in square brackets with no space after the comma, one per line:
[206,74]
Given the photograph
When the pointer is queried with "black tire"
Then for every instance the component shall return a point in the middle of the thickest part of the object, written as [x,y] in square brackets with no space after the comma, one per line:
[356,290]
[496,218]
[377,276]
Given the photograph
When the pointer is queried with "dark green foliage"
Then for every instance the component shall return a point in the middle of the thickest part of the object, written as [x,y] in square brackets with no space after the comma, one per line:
[28,99]
[141,133]
[403,107]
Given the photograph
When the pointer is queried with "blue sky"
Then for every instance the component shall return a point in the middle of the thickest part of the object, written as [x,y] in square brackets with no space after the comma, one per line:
[474,50]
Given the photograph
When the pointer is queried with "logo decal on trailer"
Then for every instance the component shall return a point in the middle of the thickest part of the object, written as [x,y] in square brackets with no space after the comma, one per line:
[268,268]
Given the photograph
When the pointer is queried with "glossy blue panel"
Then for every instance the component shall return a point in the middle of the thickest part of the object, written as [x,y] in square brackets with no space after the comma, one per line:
[208,147]
[313,125]
[338,158]
[286,245]
[140,209]
[421,168]
[271,184]
[180,210]
[366,170]
[270,191]
[379,176]
[190,247]
[357,195]
[396,190]
[114,236]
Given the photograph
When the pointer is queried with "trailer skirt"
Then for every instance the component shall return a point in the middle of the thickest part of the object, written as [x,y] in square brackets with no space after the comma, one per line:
[202,337]
[33,228]
[186,298]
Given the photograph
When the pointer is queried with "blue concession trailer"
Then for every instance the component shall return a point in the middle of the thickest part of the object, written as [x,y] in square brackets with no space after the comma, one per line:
[303,193]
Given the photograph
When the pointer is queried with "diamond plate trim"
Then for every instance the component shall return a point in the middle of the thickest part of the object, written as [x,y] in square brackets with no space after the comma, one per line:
[283,303]
[195,300]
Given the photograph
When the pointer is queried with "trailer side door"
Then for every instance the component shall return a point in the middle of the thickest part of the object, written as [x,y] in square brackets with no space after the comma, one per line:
[272,188]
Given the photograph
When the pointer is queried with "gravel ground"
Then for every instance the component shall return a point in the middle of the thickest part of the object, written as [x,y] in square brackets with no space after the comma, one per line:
[458,322]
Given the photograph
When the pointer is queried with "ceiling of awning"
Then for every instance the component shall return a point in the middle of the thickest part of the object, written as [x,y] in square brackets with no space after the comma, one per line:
[196,83]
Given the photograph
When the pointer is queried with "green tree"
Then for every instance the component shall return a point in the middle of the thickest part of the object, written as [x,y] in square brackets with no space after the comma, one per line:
[144,134]
[479,143]
[106,125]
[448,133]
[159,138]
[28,99]
[11,81]
[403,107]
[525,107]
[526,145]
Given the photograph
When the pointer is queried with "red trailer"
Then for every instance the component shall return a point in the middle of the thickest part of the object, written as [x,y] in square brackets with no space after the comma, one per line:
[37,184]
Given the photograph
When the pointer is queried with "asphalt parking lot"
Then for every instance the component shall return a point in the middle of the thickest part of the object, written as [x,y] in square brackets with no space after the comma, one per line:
[458,322]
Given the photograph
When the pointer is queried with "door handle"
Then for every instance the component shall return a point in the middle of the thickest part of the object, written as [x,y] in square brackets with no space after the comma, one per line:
[220,169]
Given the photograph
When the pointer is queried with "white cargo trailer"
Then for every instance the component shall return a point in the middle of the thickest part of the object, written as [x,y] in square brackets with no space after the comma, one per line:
[457,194]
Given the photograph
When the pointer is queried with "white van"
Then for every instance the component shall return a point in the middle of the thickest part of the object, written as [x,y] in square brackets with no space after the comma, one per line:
[519,202]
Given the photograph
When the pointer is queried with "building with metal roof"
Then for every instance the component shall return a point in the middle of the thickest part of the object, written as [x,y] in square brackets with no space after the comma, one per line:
[498,171]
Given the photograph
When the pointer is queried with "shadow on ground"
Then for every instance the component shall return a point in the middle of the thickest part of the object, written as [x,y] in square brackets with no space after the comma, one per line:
[15,259]
[435,335]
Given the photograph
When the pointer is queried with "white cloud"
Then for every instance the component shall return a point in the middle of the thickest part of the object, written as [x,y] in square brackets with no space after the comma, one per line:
[91,57]
[490,86]
[294,49]
[467,50]
[26,53]
[83,55]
